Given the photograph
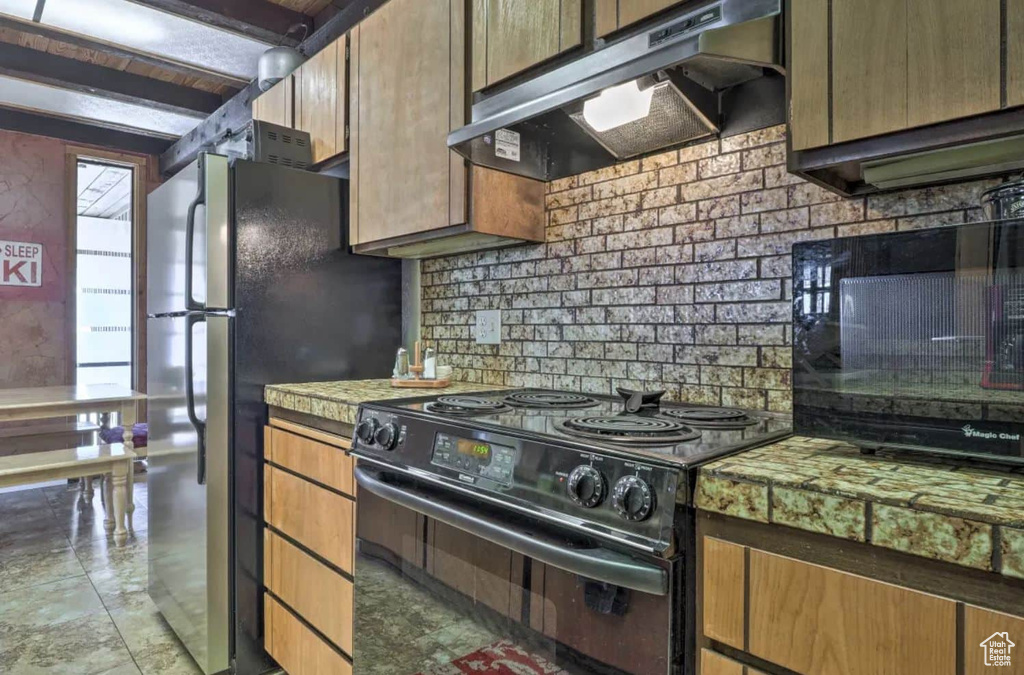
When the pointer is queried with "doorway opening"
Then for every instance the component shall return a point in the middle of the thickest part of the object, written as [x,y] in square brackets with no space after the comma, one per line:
[104,274]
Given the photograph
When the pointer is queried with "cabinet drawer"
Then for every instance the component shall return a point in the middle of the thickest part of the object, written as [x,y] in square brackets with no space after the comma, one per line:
[317,593]
[318,461]
[813,619]
[318,519]
[296,648]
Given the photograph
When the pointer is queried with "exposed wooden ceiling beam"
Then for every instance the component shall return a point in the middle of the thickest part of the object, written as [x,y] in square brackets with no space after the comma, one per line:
[45,68]
[258,19]
[237,112]
[42,30]
[79,132]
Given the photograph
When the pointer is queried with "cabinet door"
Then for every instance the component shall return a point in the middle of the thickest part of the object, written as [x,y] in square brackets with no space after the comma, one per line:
[712,663]
[510,36]
[869,68]
[614,14]
[1015,53]
[317,593]
[952,59]
[813,619]
[275,104]
[296,648]
[724,577]
[319,519]
[984,628]
[406,69]
[808,73]
[316,109]
[321,462]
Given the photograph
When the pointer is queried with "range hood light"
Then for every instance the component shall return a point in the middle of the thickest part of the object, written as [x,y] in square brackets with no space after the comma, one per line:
[618,105]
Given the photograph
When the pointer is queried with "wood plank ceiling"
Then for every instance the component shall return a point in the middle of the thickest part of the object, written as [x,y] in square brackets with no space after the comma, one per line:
[105,57]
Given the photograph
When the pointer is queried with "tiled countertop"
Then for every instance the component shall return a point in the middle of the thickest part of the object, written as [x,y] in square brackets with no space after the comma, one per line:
[339,401]
[970,517]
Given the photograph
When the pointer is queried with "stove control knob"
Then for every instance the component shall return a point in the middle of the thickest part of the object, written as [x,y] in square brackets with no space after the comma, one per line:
[366,430]
[387,436]
[586,486]
[633,498]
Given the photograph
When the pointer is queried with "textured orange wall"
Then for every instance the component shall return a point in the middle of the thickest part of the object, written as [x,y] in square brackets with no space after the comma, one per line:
[32,325]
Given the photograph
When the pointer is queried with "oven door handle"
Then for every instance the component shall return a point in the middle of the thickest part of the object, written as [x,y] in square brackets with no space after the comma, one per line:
[594,563]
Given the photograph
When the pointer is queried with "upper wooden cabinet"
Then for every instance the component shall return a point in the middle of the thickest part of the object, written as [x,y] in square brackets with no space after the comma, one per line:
[894,65]
[276,105]
[320,100]
[510,36]
[313,99]
[611,15]
[410,195]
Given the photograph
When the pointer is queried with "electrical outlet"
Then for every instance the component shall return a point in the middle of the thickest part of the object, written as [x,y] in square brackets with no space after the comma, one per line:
[488,327]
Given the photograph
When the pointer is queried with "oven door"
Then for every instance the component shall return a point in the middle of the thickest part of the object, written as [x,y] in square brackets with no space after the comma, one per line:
[448,586]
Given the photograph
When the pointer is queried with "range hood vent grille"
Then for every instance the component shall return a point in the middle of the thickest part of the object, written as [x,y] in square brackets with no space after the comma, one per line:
[673,118]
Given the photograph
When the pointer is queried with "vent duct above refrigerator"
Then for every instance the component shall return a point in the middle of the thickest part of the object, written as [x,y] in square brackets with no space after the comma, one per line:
[711,68]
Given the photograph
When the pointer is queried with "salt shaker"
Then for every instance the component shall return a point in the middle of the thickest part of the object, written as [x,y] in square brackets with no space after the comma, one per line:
[429,364]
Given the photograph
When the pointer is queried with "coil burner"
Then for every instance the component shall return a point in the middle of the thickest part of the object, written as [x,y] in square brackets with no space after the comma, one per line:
[466,405]
[629,429]
[711,418]
[549,400]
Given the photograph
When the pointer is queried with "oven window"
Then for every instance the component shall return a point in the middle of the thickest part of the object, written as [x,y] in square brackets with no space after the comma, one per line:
[432,599]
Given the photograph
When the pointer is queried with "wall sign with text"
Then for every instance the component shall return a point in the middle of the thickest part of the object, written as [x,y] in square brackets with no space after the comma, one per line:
[21,264]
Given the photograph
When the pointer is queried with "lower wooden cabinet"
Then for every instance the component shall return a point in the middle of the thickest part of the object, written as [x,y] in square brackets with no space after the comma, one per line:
[812,619]
[713,663]
[757,606]
[983,630]
[296,648]
[308,547]
[316,592]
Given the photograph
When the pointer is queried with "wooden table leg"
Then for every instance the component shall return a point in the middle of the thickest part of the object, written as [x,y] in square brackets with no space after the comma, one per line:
[128,426]
[87,489]
[119,498]
[108,503]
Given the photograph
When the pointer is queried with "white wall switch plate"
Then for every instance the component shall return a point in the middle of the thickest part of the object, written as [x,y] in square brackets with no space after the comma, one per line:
[488,327]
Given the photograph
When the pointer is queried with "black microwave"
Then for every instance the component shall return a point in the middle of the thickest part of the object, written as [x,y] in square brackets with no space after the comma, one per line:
[913,340]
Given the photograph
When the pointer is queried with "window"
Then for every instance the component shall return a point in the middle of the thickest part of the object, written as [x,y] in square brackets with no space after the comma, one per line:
[104,278]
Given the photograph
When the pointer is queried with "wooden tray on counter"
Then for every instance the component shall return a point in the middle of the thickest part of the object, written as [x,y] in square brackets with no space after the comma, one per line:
[420,384]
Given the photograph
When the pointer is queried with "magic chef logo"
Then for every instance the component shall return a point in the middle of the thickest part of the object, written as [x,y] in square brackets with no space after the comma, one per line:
[997,649]
[971,432]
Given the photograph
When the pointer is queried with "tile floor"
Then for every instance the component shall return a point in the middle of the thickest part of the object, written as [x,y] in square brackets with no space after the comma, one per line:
[73,603]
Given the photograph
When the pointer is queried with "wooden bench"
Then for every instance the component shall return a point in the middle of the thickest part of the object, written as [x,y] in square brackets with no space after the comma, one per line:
[114,461]
[17,440]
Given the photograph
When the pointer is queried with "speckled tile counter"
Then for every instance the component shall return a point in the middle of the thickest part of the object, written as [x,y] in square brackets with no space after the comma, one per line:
[970,517]
[339,401]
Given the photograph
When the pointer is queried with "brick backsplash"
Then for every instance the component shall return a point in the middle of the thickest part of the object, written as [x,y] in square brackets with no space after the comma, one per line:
[670,272]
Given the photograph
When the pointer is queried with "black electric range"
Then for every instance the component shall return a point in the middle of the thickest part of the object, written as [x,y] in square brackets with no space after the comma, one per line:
[617,465]
[553,529]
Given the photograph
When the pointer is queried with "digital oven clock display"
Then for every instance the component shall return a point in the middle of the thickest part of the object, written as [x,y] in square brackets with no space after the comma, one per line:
[475,457]
[478,449]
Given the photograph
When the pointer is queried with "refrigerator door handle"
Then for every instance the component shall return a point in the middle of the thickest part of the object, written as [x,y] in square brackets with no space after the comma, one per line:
[190,235]
[190,399]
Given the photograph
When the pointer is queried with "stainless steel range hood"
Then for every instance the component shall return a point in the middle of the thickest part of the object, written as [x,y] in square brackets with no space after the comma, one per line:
[712,68]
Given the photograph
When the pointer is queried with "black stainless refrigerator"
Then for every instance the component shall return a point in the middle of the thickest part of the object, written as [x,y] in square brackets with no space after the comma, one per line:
[250,282]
